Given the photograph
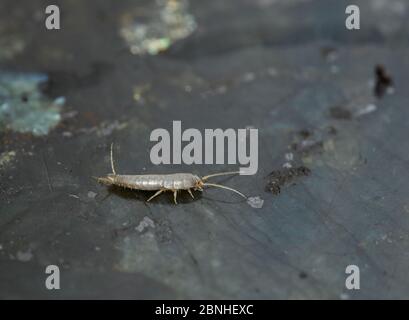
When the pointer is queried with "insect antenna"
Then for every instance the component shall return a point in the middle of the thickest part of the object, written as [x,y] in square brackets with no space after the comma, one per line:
[224,187]
[219,174]
[112,160]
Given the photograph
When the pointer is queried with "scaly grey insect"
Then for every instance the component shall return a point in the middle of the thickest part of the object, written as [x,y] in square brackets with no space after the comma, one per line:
[163,182]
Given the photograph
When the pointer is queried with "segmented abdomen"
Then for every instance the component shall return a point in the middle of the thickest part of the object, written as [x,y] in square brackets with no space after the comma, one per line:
[177,181]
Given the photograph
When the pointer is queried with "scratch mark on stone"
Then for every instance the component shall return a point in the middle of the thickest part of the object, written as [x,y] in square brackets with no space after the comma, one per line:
[46,173]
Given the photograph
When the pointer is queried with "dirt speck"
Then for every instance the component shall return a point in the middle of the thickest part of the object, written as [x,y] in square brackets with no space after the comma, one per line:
[329,53]
[383,81]
[305,133]
[279,178]
[255,202]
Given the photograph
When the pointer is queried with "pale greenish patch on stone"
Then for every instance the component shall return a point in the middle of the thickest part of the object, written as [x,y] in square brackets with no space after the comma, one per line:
[155,30]
[6,157]
[23,106]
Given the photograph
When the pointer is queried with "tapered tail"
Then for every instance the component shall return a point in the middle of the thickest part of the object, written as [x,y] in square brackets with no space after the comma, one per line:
[103,180]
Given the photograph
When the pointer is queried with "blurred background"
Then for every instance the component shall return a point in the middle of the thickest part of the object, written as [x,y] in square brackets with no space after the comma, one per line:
[332,112]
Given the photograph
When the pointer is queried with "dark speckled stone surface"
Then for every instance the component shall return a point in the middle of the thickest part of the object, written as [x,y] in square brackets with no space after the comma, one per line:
[279,66]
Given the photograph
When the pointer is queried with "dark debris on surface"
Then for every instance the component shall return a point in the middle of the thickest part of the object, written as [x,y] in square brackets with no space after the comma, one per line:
[278,66]
[279,178]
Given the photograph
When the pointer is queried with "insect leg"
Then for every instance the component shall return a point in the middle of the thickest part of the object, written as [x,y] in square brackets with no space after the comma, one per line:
[190,192]
[175,192]
[155,195]
[112,159]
